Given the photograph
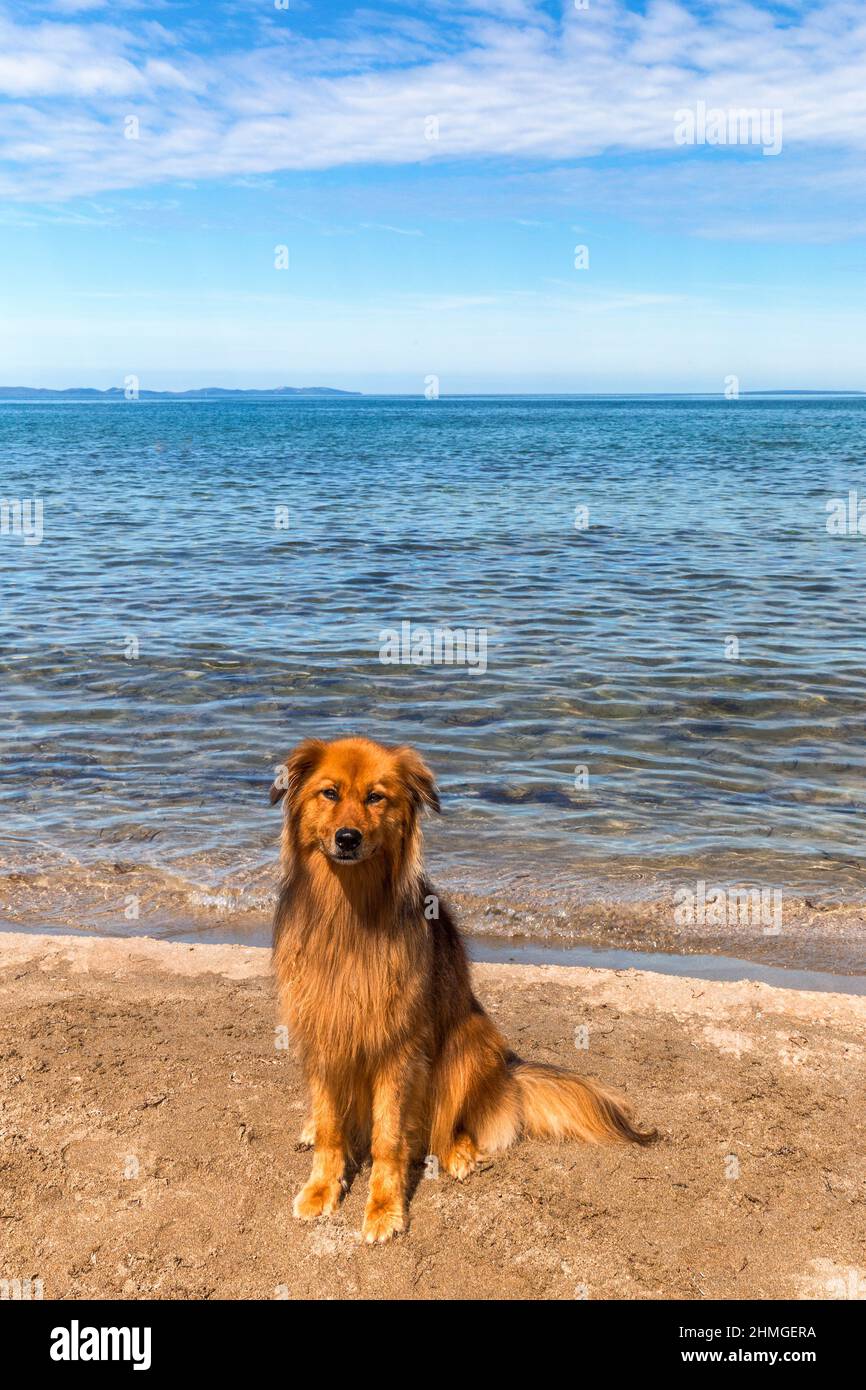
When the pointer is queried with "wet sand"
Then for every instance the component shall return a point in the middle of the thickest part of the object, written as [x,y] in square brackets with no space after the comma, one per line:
[536,919]
[149,1123]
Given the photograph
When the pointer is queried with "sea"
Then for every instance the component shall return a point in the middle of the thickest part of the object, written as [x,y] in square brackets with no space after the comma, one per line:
[627,633]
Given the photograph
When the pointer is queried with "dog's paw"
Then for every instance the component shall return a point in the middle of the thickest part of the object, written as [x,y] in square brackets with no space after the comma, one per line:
[463,1159]
[381,1223]
[317,1199]
[307,1137]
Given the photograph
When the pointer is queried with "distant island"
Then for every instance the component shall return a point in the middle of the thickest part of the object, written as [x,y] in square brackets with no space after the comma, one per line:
[276,393]
[842,391]
[204,393]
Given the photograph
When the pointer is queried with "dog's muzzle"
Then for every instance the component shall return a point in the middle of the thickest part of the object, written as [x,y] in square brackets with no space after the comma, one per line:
[348,842]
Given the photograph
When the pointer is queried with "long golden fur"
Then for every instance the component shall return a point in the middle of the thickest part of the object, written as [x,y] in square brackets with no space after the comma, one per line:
[400,1057]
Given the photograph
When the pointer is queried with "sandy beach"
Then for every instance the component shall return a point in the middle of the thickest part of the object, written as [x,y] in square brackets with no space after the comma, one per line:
[150,1117]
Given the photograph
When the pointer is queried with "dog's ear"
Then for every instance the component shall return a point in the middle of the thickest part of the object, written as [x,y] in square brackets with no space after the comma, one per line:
[296,769]
[418,779]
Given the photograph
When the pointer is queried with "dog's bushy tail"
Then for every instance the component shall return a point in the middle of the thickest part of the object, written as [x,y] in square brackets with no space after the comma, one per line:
[557,1104]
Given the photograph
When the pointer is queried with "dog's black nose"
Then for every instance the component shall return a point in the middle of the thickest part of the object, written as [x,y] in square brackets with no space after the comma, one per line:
[347,839]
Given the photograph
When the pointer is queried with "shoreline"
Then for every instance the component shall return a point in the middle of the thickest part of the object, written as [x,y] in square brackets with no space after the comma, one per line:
[531,918]
[149,1139]
[718,966]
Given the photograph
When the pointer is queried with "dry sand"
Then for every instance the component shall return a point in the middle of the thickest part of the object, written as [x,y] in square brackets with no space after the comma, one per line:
[148,1128]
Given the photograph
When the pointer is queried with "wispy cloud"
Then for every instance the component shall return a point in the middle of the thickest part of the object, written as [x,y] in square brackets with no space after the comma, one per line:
[500,80]
[385,227]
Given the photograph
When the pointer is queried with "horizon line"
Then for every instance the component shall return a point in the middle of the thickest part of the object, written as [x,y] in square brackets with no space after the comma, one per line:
[288,392]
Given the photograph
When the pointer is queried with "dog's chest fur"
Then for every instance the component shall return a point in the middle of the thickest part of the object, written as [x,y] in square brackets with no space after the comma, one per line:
[352,989]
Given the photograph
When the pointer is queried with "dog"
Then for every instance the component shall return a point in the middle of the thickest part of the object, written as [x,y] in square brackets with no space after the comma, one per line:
[400,1058]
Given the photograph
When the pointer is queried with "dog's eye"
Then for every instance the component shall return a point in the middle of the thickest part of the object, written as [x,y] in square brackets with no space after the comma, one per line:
[330,793]
[373,797]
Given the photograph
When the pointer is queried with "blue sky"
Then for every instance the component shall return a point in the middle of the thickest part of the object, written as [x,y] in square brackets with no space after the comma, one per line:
[431,169]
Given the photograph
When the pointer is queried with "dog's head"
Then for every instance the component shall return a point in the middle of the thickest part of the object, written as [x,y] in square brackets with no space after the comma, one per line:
[352,799]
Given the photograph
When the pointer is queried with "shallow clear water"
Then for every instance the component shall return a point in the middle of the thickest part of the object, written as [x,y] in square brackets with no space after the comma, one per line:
[606,646]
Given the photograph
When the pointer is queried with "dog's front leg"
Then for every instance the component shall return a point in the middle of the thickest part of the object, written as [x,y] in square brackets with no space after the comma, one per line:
[386,1202]
[320,1196]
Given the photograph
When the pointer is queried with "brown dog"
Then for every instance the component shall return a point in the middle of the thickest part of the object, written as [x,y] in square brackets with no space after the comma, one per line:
[374,981]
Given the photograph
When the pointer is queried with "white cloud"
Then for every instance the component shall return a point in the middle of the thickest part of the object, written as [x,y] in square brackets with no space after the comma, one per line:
[503,80]
[387,227]
[69,7]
